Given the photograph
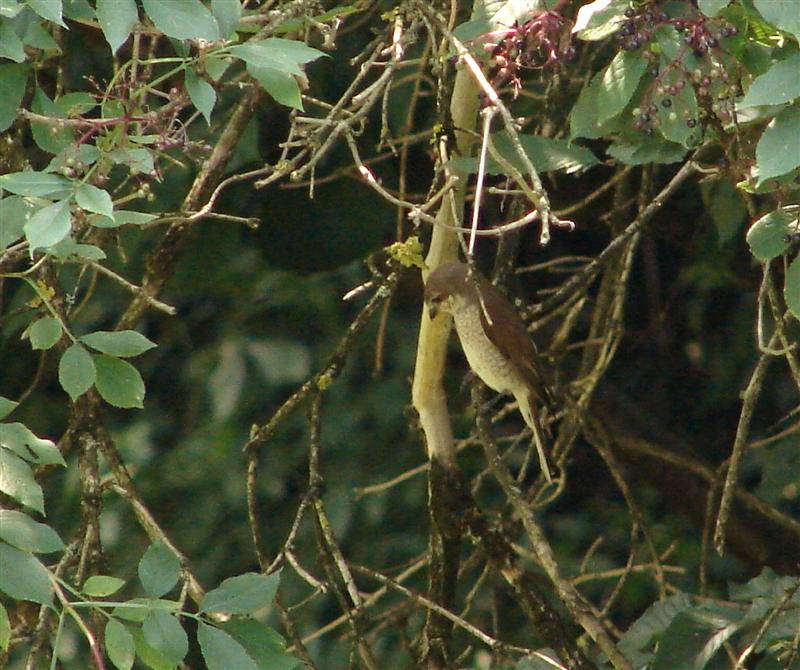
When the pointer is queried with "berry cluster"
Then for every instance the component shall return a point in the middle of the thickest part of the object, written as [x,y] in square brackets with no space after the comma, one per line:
[700,63]
[541,41]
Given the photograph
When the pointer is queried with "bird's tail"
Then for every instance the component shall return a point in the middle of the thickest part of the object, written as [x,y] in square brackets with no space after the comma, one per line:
[539,431]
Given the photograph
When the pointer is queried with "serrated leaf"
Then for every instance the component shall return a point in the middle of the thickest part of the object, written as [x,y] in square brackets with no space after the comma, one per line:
[202,94]
[48,137]
[242,594]
[164,634]
[227,13]
[778,150]
[120,343]
[791,288]
[76,371]
[38,184]
[101,586]
[693,638]
[221,651]
[6,407]
[619,81]
[118,382]
[94,199]
[49,225]
[782,14]
[23,577]
[11,45]
[263,644]
[159,569]
[281,85]
[121,218]
[14,212]
[777,85]
[5,628]
[651,624]
[646,151]
[45,332]
[182,19]
[48,9]
[13,79]
[712,7]
[22,532]
[119,645]
[16,480]
[18,438]
[117,19]
[766,236]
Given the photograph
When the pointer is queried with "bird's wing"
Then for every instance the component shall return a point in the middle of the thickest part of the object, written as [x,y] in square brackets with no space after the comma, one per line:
[506,330]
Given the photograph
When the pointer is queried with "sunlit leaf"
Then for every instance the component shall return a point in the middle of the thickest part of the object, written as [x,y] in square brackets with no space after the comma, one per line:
[22,532]
[118,382]
[117,19]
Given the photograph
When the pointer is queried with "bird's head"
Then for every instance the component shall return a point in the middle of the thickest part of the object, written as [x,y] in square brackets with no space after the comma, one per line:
[446,286]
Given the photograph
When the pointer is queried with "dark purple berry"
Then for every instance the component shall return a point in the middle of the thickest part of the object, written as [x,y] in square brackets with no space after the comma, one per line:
[700,51]
[628,28]
[672,90]
[712,42]
[570,53]
[666,102]
[705,81]
[630,12]
[644,118]
[691,123]
[654,71]
[648,132]
[680,25]
[652,109]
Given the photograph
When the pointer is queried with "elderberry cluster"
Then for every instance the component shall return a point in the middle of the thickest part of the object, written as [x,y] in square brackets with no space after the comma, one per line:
[703,39]
[541,41]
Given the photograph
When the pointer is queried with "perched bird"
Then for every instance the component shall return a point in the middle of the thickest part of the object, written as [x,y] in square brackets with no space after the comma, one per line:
[494,339]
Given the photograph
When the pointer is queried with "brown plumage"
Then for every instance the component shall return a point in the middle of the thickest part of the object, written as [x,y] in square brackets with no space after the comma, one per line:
[494,339]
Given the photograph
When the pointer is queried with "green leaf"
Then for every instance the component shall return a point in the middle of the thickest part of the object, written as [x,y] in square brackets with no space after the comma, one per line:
[276,53]
[221,651]
[14,212]
[599,19]
[38,184]
[75,104]
[646,151]
[766,236]
[76,372]
[48,9]
[11,45]
[137,609]
[119,645]
[36,36]
[101,586]
[674,125]
[49,225]
[583,120]
[202,94]
[159,569]
[122,217]
[619,82]
[47,136]
[94,199]
[152,658]
[778,150]
[650,625]
[5,628]
[782,14]
[121,343]
[18,438]
[138,160]
[777,85]
[182,19]
[13,79]
[69,247]
[724,202]
[227,13]
[6,407]
[281,85]
[545,153]
[118,382]
[163,633]
[242,594]
[22,532]
[263,644]
[16,480]
[692,639]
[712,7]
[117,19]
[23,577]
[45,332]
[791,287]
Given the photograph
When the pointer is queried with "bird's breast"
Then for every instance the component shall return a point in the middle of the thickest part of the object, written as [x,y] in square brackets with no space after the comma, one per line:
[485,359]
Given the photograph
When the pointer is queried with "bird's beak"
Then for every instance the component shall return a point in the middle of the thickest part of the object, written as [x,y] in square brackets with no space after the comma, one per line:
[433,311]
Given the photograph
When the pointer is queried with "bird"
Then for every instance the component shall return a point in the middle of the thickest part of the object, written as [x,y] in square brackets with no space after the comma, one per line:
[495,341]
